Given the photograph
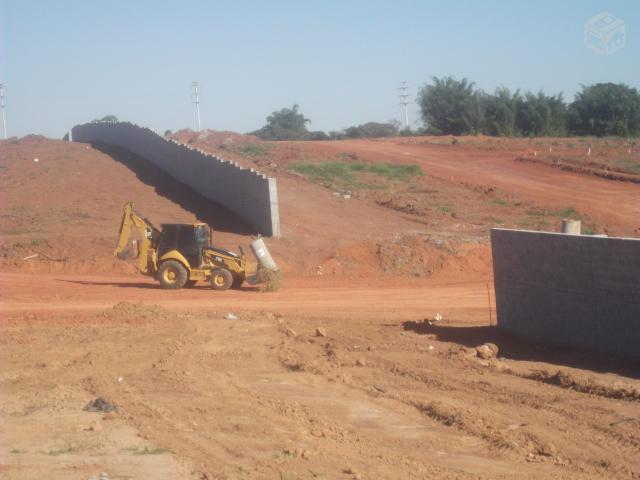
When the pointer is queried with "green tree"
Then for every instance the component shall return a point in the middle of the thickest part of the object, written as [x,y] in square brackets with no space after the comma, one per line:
[450,106]
[372,130]
[605,109]
[541,115]
[499,112]
[285,124]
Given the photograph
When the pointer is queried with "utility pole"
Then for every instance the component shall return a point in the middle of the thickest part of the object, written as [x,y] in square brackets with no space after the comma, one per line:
[195,100]
[405,102]
[4,118]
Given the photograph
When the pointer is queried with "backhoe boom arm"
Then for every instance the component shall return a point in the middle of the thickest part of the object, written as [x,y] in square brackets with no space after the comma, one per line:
[149,235]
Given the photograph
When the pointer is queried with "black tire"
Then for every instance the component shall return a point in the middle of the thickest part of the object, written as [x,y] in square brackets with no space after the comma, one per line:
[237,282]
[190,283]
[221,279]
[172,275]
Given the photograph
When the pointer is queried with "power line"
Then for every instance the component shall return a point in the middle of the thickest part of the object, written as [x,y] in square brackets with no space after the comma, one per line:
[4,118]
[195,100]
[404,96]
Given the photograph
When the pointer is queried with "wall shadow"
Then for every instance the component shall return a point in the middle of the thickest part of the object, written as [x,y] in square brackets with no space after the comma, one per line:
[515,348]
[217,216]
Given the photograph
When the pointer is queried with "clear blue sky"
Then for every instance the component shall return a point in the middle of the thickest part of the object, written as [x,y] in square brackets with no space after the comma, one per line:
[67,62]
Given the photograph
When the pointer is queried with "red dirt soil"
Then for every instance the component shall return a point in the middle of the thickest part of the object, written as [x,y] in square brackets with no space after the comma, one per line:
[343,373]
[614,204]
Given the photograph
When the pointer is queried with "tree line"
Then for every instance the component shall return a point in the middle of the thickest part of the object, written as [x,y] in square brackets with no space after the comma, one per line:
[290,124]
[456,107]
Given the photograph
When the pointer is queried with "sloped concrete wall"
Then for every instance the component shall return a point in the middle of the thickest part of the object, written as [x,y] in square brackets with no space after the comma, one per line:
[246,192]
[571,290]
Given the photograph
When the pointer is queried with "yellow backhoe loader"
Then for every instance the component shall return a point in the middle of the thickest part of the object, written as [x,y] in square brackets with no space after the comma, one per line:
[179,255]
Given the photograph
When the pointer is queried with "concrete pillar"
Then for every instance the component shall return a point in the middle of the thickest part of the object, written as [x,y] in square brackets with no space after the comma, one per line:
[571,227]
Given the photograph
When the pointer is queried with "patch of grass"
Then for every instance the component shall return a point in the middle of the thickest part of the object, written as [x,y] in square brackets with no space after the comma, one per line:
[503,202]
[255,149]
[445,208]
[241,470]
[630,165]
[587,229]
[35,242]
[569,212]
[19,231]
[538,213]
[61,451]
[394,172]
[531,223]
[145,450]
[283,454]
[17,451]
[326,172]
[343,174]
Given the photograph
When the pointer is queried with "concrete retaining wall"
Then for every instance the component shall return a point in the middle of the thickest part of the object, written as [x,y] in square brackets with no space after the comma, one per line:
[570,290]
[246,192]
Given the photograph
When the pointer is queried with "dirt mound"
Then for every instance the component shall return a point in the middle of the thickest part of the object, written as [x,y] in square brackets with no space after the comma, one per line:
[212,138]
[134,310]
[403,256]
[588,168]
[565,379]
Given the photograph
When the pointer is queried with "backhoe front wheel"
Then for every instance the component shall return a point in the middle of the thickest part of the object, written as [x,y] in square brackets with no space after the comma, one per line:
[172,275]
[221,279]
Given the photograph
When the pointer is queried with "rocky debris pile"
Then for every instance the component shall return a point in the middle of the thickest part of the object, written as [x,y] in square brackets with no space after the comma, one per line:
[100,405]
[487,351]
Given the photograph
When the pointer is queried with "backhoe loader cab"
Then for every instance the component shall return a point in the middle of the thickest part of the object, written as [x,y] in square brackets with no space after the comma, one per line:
[189,240]
[179,255]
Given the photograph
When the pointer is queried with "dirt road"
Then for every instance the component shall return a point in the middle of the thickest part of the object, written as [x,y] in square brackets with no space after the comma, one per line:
[395,298]
[324,379]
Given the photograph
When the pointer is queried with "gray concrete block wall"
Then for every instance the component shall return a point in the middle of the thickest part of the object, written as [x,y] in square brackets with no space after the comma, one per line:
[246,192]
[569,290]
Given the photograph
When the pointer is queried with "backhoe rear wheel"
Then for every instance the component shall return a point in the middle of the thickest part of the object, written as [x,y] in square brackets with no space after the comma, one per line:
[172,275]
[221,279]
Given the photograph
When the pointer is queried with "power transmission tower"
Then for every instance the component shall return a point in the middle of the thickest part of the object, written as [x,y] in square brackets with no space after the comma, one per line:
[4,118]
[404,96]
[195,100]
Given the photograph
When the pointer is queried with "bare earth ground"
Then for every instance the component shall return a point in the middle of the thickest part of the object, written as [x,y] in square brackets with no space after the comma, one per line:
[377,392]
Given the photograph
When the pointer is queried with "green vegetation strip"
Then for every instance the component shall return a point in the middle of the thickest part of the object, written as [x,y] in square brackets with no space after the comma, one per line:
[344,173]
[255,149]
[145,450]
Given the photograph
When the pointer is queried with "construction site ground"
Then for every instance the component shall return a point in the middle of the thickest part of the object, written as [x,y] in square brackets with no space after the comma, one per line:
[342,373]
